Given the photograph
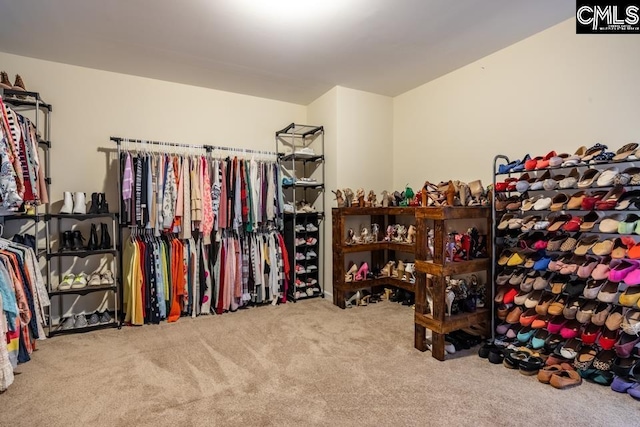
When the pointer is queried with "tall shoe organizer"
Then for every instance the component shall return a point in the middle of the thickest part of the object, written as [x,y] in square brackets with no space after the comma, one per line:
[301,152]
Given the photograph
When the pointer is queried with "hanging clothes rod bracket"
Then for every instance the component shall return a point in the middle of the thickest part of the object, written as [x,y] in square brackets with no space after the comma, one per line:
[209,148]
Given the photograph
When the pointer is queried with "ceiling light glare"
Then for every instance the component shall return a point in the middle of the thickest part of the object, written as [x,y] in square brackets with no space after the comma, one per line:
[287,11]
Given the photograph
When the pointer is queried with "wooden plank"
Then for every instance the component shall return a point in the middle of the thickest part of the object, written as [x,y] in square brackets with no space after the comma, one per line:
[420,336]
[380,246]
[452,212]
[453,323]
[437,346]
[453,268]
[337,222]
[407,210]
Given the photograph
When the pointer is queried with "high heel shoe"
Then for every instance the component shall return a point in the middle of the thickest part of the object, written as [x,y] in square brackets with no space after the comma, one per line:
[372,200]
[339,198]
[399,271]
[354,300]
[348,197]
[350,237]
[353,269]
[385,199]
[411,234]
[450,297]
[387,269]
[409,269]
[451,194]
[362,272]
[358,199]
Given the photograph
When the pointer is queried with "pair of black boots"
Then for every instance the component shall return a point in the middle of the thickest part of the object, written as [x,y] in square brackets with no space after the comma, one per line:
[99,204]
[74,240]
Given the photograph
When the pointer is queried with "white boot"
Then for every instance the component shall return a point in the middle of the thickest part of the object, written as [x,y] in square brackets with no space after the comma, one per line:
[67,205]
[79,204]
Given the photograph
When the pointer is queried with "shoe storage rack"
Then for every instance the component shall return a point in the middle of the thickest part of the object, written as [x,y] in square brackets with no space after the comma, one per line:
[381,251]
[300,151]
[431,276]
[577,248]
[82,251]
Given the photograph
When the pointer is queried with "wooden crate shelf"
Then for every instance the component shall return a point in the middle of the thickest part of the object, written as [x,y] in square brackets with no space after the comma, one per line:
[436,320]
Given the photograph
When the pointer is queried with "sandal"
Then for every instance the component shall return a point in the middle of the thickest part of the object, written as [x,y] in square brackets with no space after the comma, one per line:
[624,152]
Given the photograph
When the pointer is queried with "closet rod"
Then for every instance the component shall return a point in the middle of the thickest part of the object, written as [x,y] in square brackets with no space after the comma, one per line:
[119,140]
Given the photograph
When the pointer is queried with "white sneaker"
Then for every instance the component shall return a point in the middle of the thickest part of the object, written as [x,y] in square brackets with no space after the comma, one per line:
[311,227]
[66,283]
[94,280]
[311,267]
[79,282]
[300,242]
[106,278]
[311,255]
[288,208]
[300,228]
[300,257]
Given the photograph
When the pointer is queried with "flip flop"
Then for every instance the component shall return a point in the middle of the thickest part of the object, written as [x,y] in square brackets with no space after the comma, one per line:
[625,151]
[588,177]
[611,224]
[593,152]
[558,202]
[589,221]
[584,244]
[607,176]
[576,200]
[603,248]
[559,222]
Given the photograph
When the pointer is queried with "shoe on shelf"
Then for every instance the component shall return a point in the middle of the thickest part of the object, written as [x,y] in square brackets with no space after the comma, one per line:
[81,321]
[19,84]
[307,181]
[300,242]
[105,239]
[5,83]
[77,240]
[106,278]
[300,228]
[94,280]
[79,282]
[79,203]
[311,255]
[68,323]
[304,207]
[66,283]
[288,208]
[311,282]
[311,228]
[300,269]
[312,267]
[67,203]
[92,245]
[103,206]
[304,152]
[288,181]
[93,320]
[300,283]
[300,257]
[95,203]
[105,317]
[311,241]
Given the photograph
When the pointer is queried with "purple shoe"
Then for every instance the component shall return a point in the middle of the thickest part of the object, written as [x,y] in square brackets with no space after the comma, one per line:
[634,391]
[620,271]
[621,385]
[625,344]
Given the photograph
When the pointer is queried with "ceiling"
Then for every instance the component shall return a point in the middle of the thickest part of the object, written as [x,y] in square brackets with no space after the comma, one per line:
[293,53]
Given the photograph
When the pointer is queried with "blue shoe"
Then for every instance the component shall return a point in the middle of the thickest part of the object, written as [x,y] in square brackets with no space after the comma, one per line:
[520,166]
[537,342]
[525,334]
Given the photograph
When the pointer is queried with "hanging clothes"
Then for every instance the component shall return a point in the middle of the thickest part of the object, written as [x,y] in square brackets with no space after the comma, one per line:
[23,299]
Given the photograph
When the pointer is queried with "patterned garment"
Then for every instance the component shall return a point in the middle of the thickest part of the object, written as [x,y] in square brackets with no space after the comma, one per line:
[170,196]
[11,199]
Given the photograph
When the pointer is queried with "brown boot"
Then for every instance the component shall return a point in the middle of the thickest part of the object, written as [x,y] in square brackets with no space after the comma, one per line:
[19,84]
[5,83]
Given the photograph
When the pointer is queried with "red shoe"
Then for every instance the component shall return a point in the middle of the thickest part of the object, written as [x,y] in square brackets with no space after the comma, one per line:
[608,339]
[590,334]
[509,296]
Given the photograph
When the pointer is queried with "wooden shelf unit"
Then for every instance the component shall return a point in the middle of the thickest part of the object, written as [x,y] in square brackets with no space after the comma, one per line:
[381,252]
[439,323]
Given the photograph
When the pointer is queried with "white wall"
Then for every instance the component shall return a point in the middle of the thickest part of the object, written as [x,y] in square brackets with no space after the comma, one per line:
[554,90]
[359,131]
[365,140]
[90,105]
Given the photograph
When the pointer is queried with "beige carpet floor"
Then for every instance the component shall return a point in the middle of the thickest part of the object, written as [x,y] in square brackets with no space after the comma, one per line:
[294,365]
